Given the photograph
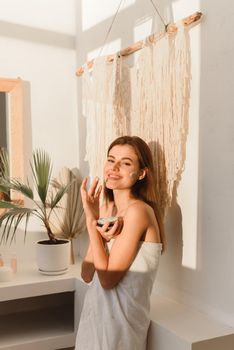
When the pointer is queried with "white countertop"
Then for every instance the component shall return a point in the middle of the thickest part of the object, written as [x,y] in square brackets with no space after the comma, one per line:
[29,282]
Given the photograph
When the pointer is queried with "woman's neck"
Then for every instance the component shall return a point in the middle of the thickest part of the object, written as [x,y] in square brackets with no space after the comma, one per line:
[122,200]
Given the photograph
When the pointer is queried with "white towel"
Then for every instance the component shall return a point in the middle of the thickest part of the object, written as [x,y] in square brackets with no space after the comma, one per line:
[118,319]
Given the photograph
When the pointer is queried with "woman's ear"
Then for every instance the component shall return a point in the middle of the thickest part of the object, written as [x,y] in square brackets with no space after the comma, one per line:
[142,174]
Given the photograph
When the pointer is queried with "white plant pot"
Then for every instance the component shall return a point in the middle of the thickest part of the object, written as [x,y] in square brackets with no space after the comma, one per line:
[53,259]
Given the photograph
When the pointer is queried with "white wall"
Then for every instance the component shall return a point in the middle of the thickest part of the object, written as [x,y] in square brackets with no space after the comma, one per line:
[37,44]
[197,267]
[209,284]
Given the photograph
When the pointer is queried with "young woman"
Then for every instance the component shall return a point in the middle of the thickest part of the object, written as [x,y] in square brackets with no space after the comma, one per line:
[121,260]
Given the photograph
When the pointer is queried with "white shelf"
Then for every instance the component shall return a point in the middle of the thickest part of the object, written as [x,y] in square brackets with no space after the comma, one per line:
[37,311]
[177,326]
[36,330]
[28,281]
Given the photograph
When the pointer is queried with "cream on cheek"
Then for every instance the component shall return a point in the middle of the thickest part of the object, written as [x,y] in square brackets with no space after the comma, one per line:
[133,174]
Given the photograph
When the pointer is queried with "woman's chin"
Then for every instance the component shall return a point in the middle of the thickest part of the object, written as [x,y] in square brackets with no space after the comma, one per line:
[110,187]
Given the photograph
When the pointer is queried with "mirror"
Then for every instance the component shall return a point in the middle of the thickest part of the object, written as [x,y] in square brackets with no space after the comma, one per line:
[3,121]
[12,126]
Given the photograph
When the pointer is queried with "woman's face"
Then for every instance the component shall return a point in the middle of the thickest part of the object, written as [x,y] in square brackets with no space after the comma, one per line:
[121,170]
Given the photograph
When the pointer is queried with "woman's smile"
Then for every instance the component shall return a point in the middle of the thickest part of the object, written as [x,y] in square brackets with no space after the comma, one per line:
[113,177]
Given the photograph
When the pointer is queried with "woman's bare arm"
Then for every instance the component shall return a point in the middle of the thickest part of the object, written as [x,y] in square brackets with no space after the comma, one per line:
[87,267]
[111,268]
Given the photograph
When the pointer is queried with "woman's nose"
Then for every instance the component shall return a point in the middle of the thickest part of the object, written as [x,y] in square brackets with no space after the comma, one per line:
[115,166]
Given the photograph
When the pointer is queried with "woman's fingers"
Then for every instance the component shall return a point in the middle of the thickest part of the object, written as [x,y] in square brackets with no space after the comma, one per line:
[92,189]
[90,199]
[83,184]
[116,228]
[108,232]
[103,228]
[112,230]
[83,188]
[99,190]
[104,231]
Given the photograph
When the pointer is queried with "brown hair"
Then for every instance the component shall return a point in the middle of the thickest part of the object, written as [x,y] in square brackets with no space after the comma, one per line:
[144,189]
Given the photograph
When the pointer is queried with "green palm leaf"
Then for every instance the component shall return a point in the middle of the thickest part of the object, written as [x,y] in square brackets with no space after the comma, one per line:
[7,228]
[25,189]
[16,185]
[4,164]
[41,169]
[11,220]
[7,205]
[4,189]
[59,195]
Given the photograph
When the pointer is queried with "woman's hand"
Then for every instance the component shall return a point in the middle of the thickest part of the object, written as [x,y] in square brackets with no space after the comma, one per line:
[108,232]
[90,198]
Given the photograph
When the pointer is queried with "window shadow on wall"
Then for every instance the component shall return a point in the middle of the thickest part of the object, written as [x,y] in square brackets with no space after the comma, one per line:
[37,35]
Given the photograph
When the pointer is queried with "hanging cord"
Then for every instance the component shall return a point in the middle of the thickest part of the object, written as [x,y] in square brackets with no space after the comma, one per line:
[111,25]
[114,18]
[159,15]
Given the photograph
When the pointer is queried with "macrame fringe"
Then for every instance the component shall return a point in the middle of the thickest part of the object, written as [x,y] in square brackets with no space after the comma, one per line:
[149,100]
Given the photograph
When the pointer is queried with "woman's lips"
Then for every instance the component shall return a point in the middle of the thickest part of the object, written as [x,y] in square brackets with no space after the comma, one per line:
[113,177]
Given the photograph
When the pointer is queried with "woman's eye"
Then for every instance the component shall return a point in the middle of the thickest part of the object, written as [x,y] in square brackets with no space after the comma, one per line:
[110,160]
[127,164]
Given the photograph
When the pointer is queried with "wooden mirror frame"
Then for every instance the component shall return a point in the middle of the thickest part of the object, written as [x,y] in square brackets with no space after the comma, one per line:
[14,89]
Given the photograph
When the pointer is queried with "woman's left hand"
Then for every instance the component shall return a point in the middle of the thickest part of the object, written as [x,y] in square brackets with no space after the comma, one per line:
[90,198]
[108,232]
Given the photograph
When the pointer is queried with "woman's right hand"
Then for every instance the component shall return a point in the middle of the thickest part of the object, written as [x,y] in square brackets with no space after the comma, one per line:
[109,232]
[90,198]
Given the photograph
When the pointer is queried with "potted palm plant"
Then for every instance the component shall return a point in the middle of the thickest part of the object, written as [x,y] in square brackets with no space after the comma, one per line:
[53,254]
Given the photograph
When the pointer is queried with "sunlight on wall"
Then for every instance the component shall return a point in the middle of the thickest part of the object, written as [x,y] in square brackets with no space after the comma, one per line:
[142,28]
[188,188]
[183,8]
[109,7]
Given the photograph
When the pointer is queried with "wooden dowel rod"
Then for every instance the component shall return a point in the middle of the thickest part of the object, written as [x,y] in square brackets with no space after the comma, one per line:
[170,29]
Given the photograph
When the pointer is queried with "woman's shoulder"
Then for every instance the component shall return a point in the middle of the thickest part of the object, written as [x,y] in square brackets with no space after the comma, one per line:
[140,209]
[142,214]
[139,204]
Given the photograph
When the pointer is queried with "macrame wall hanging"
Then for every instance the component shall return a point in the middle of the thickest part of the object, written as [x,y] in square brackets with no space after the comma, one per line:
[149,100]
